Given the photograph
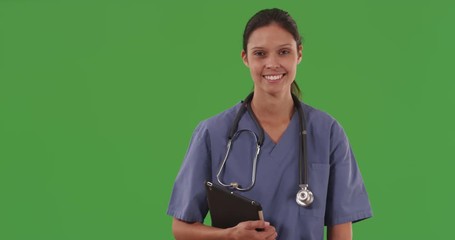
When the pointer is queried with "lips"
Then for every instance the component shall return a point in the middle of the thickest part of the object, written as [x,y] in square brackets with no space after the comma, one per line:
[274,77]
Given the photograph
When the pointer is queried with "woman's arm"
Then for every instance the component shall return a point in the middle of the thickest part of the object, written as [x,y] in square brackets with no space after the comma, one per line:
[340,231]
[245,230]
[183,230]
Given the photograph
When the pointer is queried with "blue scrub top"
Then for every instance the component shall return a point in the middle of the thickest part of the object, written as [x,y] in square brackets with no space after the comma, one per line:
[334,177]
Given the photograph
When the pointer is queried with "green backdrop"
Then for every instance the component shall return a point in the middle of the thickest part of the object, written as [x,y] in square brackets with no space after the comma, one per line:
[98,100]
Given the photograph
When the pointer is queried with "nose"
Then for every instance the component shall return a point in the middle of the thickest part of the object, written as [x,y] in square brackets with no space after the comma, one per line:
[272,62]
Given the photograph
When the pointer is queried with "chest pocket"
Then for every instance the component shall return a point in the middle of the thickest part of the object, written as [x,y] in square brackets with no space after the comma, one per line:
[318,183]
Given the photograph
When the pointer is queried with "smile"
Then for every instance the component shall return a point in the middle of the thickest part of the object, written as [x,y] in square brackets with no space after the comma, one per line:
[274,77]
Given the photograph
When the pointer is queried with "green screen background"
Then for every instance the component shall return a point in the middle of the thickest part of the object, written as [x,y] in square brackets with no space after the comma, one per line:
[98,100]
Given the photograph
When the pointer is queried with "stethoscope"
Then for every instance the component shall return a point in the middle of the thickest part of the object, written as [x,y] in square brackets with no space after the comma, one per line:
[304,196]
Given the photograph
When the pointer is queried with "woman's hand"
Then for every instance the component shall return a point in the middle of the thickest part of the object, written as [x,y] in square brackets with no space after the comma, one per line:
[249,230]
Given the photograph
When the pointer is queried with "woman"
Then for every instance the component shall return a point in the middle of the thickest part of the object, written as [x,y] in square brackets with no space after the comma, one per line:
[272,50]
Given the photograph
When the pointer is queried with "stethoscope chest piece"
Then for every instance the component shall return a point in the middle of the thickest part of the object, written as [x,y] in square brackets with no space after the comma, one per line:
[304,197]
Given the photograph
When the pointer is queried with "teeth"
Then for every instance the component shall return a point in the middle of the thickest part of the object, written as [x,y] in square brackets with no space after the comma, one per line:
[273,77]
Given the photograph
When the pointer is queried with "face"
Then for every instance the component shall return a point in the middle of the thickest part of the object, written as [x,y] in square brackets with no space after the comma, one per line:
[272,57]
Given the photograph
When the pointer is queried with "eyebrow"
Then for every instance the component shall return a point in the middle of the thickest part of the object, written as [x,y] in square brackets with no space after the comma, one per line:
[282,45]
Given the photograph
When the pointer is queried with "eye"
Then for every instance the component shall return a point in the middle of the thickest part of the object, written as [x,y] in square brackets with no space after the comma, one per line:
[284,52]
[259,53]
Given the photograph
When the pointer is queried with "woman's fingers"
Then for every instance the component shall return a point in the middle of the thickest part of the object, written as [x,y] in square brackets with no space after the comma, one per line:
[270,233]
[249,230]
[253,225]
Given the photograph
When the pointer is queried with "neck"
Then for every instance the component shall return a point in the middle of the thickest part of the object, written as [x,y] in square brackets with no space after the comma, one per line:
[278,107]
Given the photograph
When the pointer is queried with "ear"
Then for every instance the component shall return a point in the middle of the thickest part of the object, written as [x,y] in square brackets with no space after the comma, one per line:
[244,58]
[299,53]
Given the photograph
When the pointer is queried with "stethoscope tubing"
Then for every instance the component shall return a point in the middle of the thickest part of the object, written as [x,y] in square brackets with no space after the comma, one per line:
[303,157]
[254,169]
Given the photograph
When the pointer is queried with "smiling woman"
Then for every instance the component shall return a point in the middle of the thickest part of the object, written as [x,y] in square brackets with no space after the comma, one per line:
[272,55]
[304,172]
[281,32]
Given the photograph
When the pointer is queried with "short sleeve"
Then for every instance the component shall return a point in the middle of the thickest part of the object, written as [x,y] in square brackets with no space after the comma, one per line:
[188,200]
[347,199]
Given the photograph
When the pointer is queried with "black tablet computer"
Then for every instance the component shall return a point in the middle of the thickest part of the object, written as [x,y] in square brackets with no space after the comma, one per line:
[227,209]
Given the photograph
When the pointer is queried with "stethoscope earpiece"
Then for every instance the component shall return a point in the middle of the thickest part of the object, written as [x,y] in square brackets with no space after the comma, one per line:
[304,197]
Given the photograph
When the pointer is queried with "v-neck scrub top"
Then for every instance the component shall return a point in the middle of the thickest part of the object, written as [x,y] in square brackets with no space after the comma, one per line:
[333,174]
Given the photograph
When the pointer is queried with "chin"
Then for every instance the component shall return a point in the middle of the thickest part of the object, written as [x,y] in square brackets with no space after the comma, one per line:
[274,91]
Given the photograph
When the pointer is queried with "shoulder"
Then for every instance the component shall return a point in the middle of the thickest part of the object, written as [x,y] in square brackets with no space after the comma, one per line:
[317,116]
[220,121]
[322,123]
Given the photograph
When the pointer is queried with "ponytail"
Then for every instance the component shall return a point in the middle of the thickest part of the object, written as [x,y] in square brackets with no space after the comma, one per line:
[296,90]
